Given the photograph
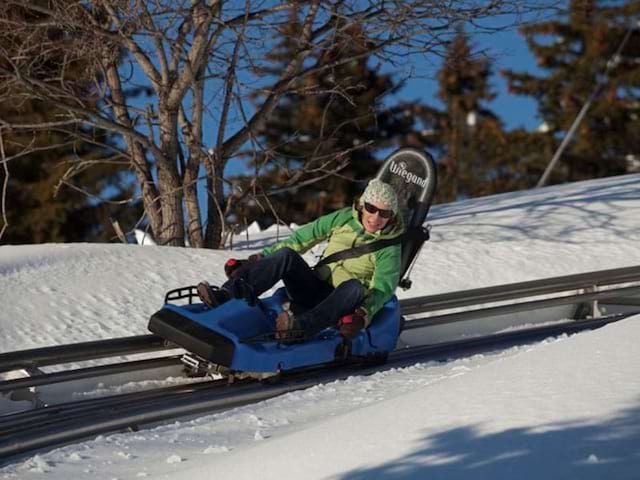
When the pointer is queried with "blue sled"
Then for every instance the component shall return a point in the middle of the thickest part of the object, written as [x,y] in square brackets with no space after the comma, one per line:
[239,337]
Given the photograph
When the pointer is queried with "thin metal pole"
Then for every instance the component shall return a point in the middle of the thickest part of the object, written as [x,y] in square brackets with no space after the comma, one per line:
[613,61]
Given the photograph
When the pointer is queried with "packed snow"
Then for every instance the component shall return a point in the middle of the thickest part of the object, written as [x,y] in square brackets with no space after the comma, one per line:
[566,407]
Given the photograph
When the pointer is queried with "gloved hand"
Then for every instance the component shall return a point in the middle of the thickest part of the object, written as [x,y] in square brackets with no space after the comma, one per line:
[350,325]
[233,265]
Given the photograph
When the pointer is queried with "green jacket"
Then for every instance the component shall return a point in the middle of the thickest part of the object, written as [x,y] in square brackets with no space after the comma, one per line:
[378,271]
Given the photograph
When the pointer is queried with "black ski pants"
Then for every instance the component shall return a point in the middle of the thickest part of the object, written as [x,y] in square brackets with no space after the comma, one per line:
[325,304]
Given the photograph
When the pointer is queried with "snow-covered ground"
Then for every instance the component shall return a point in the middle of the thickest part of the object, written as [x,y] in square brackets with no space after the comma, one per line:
[564,408]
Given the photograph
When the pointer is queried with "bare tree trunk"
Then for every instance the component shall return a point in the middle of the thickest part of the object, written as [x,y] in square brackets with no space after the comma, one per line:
[5,183]
[139,163]
[194,225]
[215,203]
[172,230]
[192,133]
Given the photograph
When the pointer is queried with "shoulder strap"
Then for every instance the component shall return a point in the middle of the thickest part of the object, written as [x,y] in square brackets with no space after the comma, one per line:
[360,250]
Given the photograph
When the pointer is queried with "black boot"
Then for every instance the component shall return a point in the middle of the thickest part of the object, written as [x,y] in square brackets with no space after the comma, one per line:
[212,296]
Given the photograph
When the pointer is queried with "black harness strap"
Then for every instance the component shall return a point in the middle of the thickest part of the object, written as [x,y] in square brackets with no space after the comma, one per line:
[371,247]
[359,251]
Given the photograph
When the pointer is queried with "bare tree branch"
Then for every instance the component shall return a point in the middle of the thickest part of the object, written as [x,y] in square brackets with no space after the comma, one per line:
[202,64]
[144,61]
[287,78]
[5,184]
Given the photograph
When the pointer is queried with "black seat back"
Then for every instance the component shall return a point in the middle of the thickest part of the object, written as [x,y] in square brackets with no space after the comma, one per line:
[412,174]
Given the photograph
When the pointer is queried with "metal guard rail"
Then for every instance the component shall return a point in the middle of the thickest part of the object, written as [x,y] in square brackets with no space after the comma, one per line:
[139,410]
[77,352]
[55,355]
[500,293]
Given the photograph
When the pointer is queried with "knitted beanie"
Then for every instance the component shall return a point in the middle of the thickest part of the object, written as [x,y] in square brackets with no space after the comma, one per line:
[381,193]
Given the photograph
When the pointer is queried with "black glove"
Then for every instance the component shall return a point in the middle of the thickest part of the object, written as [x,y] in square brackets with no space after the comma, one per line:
[233,265]
[350,325]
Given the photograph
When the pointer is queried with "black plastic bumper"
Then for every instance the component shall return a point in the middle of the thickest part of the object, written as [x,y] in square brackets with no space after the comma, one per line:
[192,336]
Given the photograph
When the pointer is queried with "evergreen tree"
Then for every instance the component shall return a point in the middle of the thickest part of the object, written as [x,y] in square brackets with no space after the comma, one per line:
[467,137]
[330,125]
[51,195]
[42,208]
[575,51]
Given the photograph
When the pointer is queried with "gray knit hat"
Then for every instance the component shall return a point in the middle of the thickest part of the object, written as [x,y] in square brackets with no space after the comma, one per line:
[381,193]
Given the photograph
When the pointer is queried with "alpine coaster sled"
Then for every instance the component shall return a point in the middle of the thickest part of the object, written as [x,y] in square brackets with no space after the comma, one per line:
[237,337]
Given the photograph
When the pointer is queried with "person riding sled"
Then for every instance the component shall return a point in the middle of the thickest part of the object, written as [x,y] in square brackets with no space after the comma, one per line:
[346,293]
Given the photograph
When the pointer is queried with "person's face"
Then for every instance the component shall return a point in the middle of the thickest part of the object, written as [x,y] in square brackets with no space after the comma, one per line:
[375,216]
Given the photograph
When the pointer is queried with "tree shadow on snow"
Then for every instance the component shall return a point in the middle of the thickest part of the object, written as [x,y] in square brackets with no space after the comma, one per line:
[548,215]
[553,215]
[607,450]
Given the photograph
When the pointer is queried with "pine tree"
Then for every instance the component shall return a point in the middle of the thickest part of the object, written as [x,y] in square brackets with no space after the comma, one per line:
[467,137]
[45,201]
[318,128]
[41,207]
[574,50]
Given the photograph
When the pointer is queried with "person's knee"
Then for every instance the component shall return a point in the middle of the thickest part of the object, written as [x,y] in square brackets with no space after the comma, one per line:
[286,257]
[355,289]
[286,252]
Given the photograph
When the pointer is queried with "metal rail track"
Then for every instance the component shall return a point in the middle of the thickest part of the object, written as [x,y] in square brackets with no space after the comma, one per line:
[51,426]
[588,282]
[44,427]
[582,288]
[531,305]
[89,372]
[41,357]
[27,418]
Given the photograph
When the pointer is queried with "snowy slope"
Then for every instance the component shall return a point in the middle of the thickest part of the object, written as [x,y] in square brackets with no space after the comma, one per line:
[568,404]
[565,408]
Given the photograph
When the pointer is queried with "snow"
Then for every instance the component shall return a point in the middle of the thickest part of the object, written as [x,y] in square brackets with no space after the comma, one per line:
[566,407]
[143,238]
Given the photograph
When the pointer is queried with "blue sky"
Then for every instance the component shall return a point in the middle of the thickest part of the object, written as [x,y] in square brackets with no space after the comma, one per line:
[508,50]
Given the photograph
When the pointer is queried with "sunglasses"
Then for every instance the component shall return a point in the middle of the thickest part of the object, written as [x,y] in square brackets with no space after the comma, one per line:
[381,211]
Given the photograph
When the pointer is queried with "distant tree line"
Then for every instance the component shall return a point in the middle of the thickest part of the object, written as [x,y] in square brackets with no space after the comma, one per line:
[103,109]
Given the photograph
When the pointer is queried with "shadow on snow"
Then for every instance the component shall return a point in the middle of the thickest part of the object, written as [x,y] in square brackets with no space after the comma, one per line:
[550,215]
[610,449]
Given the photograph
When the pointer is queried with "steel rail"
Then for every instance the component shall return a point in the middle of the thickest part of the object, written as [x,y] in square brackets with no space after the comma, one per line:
[500,293]
[77,352]
[118,415]
[89,372]
[627,301]
[50,416]
[20,420]
[517,307]
[38,416]
[39,357]
[174,360]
